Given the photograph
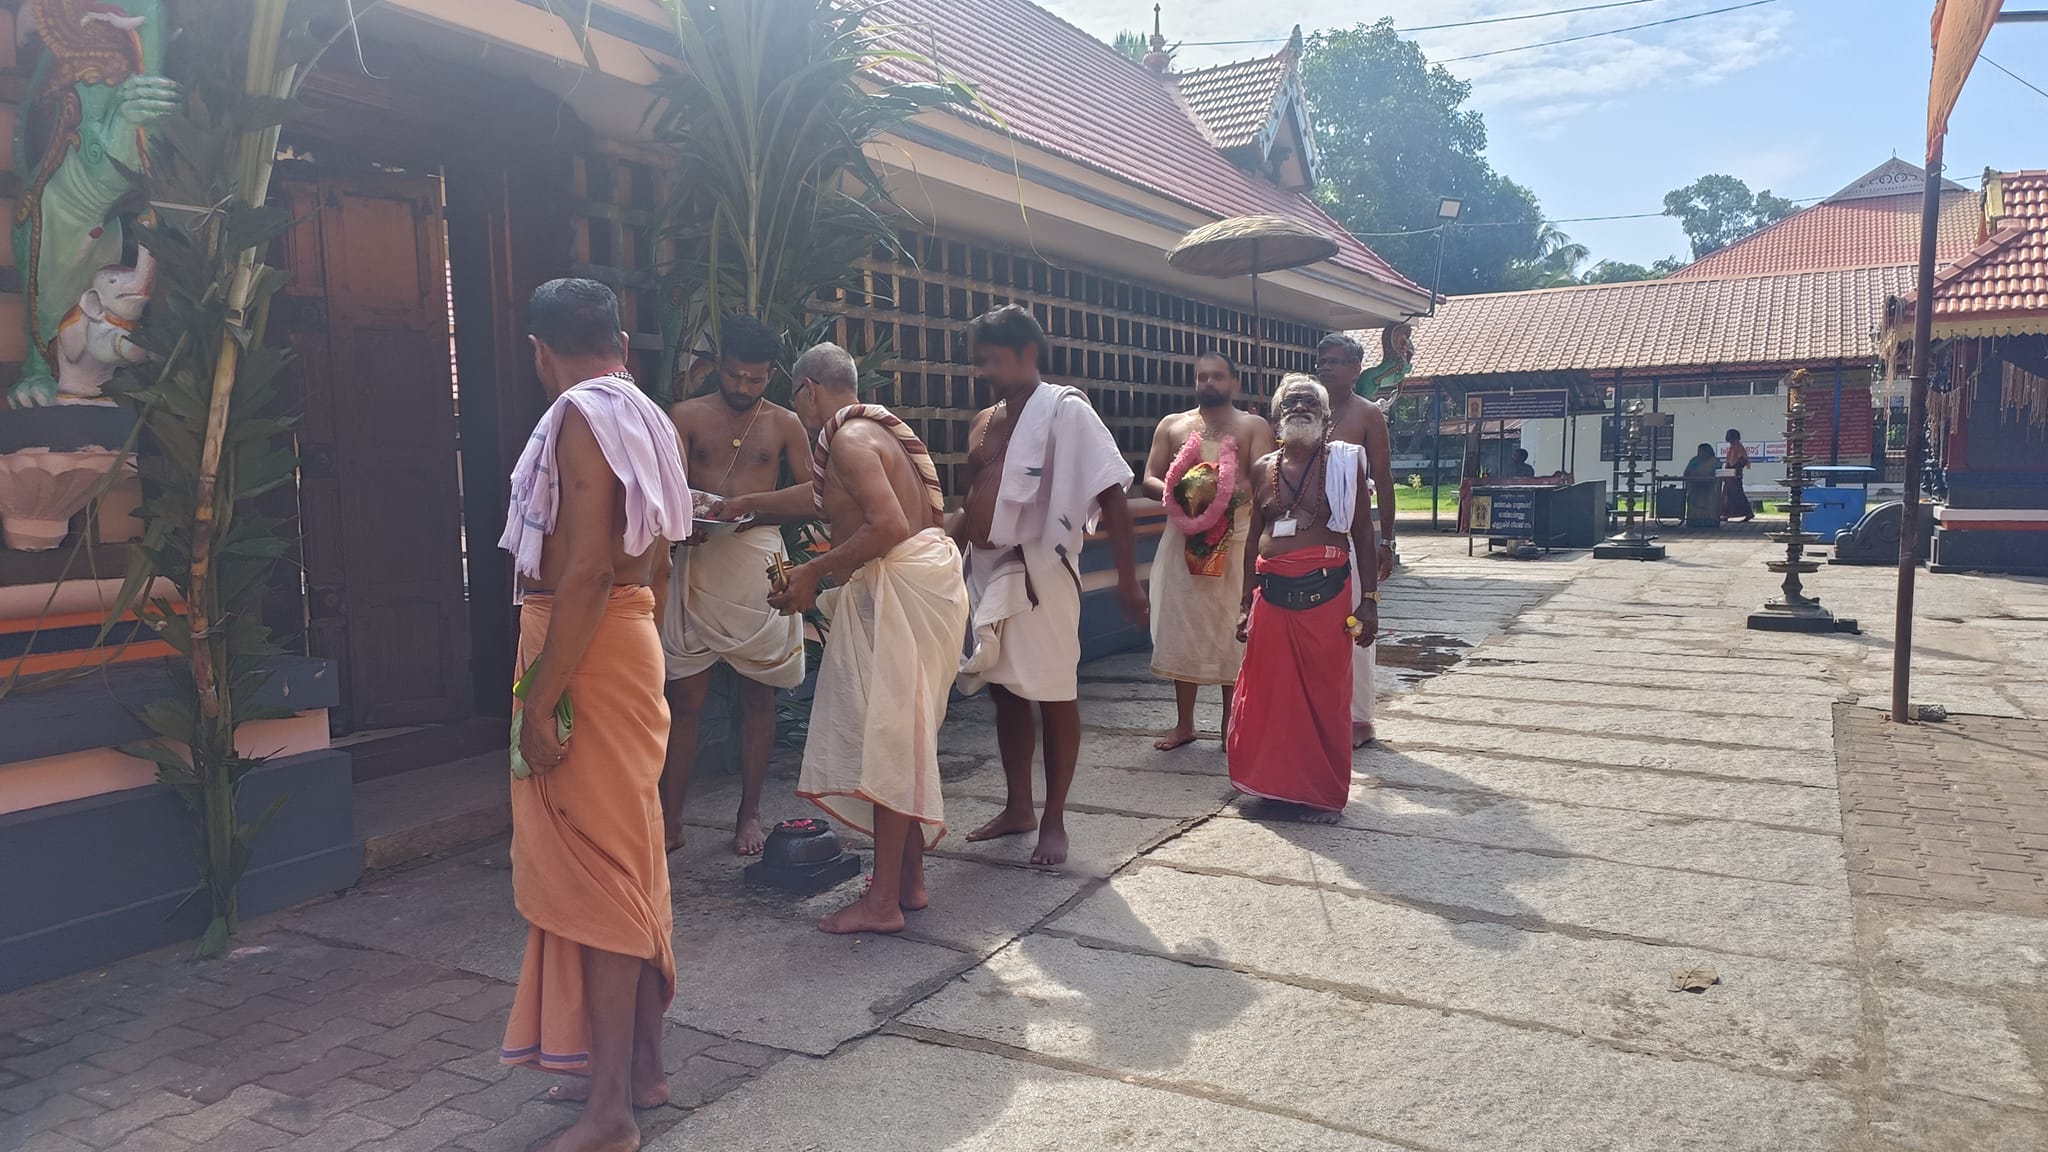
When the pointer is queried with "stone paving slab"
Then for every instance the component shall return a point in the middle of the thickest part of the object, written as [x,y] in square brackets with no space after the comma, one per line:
[1908,1119]
[1737,734]
[765,979]
[1169,796]
[1969,949]
[1652,793]
[1716,702]
[1958,1045]
[1720,847]
[469,923]
[891,1094]
[1400,729]
[1380,1069]
[1592,673]
[976,907]
[1758,918]
[1769,1014]
[1101,843]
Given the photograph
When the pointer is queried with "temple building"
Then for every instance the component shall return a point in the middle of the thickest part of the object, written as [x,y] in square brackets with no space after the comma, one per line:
[1989,402]
[462,154]
[1709,343]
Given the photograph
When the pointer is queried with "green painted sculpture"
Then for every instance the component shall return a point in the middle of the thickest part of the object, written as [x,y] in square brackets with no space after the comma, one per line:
[80,138]
[1397,355]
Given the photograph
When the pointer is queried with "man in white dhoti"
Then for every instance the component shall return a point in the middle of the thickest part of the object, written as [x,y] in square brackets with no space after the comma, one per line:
[717,611]
[1042,468]
[1355,420]
[872,757]
[1200,469]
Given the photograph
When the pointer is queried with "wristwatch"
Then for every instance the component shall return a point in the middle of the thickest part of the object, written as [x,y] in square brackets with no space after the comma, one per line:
[1373,596]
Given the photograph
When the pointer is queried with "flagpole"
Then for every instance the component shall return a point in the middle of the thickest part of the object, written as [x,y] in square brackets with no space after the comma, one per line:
[1916,442]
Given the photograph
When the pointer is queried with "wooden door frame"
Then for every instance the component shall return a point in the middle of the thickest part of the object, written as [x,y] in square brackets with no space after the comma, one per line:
[508,197]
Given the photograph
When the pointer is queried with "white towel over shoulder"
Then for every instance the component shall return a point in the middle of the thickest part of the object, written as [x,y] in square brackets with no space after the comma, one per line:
[1061,457]
[638,442]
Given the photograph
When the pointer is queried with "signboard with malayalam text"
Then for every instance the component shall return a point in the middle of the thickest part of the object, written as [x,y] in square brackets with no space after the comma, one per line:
[1525,404]
[1503,512]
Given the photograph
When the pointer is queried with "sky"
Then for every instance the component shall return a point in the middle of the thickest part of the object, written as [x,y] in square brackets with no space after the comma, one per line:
[1800,97]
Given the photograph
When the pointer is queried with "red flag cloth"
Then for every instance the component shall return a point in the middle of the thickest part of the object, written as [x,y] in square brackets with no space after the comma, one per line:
[1290,721]
[1959,29]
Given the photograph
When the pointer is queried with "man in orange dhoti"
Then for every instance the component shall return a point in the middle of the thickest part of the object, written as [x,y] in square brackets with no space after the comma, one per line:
[598,490]
[1290,733]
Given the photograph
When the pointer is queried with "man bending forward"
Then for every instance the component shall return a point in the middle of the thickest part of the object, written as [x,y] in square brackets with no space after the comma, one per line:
[872,757]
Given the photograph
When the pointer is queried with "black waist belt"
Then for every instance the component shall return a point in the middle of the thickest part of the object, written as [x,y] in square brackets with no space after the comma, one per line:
[1301,593]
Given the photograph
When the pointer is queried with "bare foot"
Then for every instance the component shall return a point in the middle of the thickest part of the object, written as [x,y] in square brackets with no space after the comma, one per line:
[672,836]
[1318,816]
[747,837]
[1361,735]
[1052,847]
[862,916]
[1178,738]
[576,1089]
[589,1134]
[1007,823]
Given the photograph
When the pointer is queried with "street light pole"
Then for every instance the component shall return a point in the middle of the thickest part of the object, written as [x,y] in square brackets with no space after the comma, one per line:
[1447,210]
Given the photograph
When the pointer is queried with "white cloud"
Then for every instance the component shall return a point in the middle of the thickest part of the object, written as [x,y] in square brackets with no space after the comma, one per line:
[1545,88]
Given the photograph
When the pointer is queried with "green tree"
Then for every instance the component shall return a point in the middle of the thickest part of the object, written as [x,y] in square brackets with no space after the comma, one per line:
[1717,210]
[1555,265]
[1619,271]
[1395,136]
[768,119]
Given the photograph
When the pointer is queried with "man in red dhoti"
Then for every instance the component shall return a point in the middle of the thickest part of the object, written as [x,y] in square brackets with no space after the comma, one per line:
[1290,732]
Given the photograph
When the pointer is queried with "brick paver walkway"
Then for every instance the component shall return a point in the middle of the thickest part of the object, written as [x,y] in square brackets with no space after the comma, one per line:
[293,1043]
[1954,811]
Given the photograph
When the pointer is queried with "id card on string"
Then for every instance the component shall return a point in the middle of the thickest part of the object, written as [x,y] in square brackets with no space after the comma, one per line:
[1283,528]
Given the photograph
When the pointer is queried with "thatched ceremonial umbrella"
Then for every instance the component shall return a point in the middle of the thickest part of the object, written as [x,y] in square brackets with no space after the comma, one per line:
[1248,246]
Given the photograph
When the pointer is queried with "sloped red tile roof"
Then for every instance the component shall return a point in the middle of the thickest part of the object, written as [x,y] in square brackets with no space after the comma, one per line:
[1234,101]
[2005,276]
[1862,233]
[1795,318]
[1057,88]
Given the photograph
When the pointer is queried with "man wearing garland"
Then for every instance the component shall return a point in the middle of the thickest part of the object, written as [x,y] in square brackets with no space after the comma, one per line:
[1199,469]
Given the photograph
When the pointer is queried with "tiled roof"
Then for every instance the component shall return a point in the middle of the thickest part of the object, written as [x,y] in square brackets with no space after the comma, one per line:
[1057,88]
[2006,274]
[1866,232]
[1795,318]
[1234,101]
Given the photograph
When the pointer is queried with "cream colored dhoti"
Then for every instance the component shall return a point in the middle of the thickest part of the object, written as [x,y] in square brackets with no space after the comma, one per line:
[718,610]
[1026,617]
[1194,615]
[889,667]
[1363,660]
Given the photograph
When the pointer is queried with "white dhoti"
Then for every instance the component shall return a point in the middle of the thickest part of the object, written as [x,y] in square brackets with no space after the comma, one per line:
[1194,614]
[718,610]
[1363,660]
[1026,618]
[882,689]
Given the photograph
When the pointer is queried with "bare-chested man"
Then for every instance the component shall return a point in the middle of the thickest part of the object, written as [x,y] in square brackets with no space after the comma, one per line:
[872,757]
[1355,420]
[1200,469]
[1041,467]
[717,611]
[1289,744]
[598,492]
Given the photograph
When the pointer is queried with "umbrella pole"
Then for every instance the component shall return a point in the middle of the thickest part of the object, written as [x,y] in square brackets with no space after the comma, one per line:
[1258,329]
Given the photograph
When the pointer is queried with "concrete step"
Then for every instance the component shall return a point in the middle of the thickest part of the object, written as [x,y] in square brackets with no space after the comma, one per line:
[415,814]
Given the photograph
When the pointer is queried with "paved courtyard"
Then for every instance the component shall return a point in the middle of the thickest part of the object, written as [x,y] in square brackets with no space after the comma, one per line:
[1595,783]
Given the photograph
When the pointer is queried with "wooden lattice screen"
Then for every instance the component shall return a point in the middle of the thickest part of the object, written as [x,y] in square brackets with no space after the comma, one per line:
[617,195]
[1131,347]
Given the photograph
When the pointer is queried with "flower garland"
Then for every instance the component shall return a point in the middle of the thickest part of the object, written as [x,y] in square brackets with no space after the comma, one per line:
[1226,486]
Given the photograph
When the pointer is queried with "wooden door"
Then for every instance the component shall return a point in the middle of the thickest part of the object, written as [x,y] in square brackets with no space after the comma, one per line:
[381,494]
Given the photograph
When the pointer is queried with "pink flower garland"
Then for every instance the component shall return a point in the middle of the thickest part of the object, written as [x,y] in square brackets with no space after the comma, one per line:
[1226,486]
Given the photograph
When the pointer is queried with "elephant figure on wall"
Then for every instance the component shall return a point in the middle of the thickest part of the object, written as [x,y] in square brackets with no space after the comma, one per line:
[92,339]
[83,136]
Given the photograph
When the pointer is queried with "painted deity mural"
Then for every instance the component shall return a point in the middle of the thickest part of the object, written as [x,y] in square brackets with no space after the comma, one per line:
[81,139]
